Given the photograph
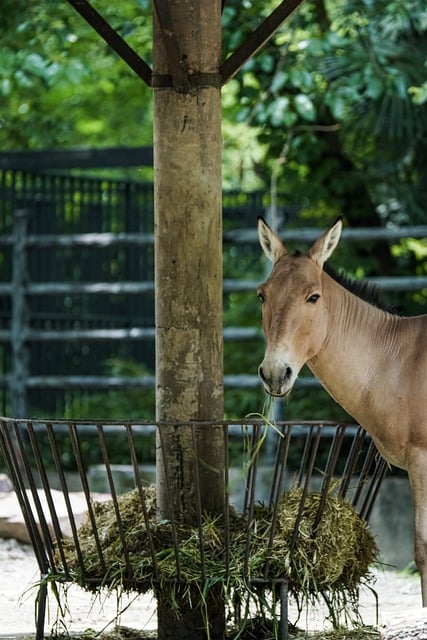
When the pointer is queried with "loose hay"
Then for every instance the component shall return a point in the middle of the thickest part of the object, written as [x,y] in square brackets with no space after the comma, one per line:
[337,555]
[328,561]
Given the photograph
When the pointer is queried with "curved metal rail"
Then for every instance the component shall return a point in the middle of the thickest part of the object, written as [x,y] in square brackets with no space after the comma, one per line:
[309,455]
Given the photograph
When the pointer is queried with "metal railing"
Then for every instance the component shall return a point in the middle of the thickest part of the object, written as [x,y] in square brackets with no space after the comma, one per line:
[328,458]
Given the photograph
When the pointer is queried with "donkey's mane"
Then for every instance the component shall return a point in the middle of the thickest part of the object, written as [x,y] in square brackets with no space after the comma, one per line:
[362,289]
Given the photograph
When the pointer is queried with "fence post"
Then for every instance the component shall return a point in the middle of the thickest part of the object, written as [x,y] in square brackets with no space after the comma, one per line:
[20,315]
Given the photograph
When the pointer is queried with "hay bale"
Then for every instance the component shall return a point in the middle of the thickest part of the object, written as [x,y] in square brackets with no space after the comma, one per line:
[337,555]
[335,558]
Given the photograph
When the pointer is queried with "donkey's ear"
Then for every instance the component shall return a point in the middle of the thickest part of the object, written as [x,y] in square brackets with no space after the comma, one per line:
[324,246]
[270,241]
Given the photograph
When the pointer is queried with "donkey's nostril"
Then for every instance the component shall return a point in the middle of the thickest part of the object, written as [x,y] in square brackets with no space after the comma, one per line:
[276,377]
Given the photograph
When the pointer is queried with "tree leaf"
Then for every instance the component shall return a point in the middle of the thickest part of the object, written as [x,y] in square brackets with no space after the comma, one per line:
[305,107]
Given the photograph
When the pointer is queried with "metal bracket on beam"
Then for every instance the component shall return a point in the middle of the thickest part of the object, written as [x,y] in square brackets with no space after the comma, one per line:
[195,80]
[179,78]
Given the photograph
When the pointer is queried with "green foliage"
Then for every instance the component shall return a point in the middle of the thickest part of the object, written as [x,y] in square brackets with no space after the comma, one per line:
[60,85]
[338,99]
[121,404]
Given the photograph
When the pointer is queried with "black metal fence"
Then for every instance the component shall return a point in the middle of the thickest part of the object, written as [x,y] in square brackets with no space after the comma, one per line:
[38,213]
[77,286]
[77,283]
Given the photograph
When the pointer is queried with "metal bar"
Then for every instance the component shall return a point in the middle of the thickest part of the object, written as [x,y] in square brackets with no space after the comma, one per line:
[352,458]
[284,628]
[41,470]
[44,535]
[147,382]
[373,486]
[113,492]
[379,475]
[64,487]
[280,463]
[73,335]
[41,609]
[75,443]
[237,236]
[257,39]
[199,503]
[91,382]
[253,381]
[328,473]
[386,283]
[138,482]
[249,504]
[364,474]
[106,157]
[15,459]
[170,509]
[113,39]
[276,488]
[308,471]
[91,240]
[226,501]
[77,288]
[362,234]
[133,333]
[20,315]
[251,468]
[305,455]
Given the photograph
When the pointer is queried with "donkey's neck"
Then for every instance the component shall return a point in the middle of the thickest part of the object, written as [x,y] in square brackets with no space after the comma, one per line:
[358,347]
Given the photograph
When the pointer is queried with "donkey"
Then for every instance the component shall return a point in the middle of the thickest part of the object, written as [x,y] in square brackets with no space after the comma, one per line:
[372,362]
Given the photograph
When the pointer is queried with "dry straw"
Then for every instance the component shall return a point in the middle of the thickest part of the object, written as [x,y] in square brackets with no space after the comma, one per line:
[328,560]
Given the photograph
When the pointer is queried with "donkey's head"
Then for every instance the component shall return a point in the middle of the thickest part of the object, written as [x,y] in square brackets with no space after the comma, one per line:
[294,311]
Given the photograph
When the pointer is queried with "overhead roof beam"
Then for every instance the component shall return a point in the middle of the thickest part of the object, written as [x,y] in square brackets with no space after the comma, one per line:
[180,80]
[257,39]
[113,39]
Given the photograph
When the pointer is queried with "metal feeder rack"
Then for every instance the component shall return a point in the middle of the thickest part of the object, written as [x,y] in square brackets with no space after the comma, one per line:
[306,454]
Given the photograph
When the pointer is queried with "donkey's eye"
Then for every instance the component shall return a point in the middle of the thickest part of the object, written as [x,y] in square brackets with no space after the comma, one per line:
[313,298]
[261,298]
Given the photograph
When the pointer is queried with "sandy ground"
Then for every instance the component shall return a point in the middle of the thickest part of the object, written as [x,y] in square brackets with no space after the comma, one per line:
[397,594]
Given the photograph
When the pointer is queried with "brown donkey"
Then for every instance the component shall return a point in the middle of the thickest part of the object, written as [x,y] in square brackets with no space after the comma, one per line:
[373,363]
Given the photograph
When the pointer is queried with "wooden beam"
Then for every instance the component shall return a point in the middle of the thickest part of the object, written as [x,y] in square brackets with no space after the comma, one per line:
[188,274]
[257,39]
[113,39]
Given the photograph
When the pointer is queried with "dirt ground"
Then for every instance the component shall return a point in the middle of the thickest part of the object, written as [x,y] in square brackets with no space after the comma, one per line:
[398,594]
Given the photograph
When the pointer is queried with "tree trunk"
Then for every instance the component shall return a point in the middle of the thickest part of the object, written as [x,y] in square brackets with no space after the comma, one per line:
[188,278]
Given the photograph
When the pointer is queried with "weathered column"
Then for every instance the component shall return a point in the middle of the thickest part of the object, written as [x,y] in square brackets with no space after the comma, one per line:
[188,277]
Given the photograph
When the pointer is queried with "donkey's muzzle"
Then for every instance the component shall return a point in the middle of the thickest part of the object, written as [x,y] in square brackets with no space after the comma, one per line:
[277,381]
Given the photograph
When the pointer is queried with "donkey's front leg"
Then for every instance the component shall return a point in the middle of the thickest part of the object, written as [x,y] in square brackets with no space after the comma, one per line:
[418,479]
